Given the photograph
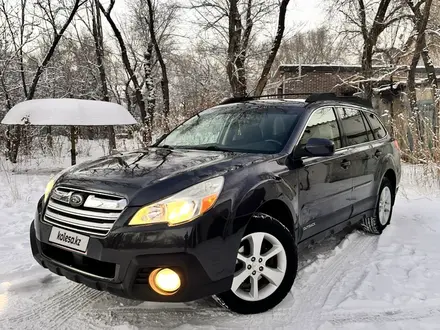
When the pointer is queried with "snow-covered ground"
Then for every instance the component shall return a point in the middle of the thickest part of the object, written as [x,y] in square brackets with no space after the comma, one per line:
[353,281]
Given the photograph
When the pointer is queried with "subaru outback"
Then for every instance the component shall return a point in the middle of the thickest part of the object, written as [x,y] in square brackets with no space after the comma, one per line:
[223,204]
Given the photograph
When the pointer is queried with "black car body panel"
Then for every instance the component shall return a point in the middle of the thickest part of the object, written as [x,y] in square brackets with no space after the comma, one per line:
[312,196]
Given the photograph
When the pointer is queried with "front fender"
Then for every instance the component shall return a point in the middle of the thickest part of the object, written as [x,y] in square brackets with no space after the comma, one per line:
[258,193]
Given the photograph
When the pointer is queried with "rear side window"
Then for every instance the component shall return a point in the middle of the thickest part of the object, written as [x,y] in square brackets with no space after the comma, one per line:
[376,125]
[355,127]
[322,124]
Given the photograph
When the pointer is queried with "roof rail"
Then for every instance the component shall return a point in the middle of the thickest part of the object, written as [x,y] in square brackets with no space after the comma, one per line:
[252,98]
[333,97]
[313,97]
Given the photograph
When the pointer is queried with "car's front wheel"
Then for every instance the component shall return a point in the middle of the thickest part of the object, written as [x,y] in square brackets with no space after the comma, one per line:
[266,267]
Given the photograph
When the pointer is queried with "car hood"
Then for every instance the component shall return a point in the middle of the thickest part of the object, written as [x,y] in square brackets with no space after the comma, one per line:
[156,168]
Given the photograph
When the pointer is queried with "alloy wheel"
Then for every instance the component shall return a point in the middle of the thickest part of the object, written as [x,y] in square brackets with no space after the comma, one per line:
[260,267]
[385,202]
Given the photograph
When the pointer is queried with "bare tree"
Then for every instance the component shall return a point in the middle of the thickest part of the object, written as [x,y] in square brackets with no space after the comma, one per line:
[200,81]
[419,16]
[150,90]
[165,84]
[274,50]
[146,137]
[50,16]
[421,22]
[369,19]
[234,24]
[315,46]
[99,47]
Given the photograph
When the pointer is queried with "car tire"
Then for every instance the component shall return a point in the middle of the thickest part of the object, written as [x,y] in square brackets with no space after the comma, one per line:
[265,275]
[383,211]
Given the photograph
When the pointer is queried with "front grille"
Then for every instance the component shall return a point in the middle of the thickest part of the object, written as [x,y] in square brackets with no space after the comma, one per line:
[95,214]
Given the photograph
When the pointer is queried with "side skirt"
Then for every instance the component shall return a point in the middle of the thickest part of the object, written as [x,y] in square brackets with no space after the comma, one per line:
[350,223]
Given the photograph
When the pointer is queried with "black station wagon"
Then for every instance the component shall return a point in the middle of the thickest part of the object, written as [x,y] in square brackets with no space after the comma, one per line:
[221,205]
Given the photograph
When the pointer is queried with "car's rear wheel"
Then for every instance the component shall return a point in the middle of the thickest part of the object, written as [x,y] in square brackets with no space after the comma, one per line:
[266,267]
[384,209]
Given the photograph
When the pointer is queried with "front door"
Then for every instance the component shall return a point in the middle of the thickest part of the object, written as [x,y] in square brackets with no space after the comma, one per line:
[325,183]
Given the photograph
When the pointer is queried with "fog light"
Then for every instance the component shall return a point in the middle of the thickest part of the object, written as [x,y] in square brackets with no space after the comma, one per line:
[164,281]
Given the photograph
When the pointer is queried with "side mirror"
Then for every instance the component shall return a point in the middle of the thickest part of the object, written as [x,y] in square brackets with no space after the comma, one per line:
[317,147]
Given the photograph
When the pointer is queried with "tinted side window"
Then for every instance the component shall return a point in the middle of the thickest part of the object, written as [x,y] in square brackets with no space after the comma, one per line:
[322,124]
[377,127]
[355,127]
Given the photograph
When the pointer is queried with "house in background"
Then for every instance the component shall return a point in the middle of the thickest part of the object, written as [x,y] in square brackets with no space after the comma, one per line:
[389,89]
[389,85]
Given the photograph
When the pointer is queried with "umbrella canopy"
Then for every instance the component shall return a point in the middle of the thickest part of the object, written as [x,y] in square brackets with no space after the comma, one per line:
[68,112]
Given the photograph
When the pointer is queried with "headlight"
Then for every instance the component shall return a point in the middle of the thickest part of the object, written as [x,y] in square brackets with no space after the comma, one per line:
[181,207]
[52,182]
[48,189]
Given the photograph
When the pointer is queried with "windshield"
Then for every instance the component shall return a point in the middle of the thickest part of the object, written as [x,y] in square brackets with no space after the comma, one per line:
[240,127]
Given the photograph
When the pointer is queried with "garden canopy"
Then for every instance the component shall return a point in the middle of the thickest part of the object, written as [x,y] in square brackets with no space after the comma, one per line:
[68,112]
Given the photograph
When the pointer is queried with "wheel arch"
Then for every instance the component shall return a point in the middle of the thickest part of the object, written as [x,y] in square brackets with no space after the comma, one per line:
[279,210]
[387,168]
[390,174]
[273,198]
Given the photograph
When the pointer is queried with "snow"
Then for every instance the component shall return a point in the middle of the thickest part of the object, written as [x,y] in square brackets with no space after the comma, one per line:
[65,112]
[351,281]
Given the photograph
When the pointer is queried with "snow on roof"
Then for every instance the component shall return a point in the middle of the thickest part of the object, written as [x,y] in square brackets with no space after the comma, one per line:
[295,100]
[68,112]
[400,85]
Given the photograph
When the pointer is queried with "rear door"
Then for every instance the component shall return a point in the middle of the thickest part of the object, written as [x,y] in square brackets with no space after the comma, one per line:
[325,183]
[360,153]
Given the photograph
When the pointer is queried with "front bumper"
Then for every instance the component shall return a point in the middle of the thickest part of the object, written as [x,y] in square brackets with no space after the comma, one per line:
[120,263]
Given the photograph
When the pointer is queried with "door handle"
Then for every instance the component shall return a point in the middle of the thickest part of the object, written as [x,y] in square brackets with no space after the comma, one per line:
[378,153]
[345,164]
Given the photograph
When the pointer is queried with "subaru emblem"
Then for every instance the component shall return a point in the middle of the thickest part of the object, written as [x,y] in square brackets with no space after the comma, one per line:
[76,200]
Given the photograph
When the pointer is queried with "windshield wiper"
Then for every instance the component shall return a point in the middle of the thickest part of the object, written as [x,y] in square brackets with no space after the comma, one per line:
[166,146]
[213,148]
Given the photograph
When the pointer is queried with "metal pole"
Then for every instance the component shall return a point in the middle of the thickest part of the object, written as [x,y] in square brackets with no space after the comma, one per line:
[73,144]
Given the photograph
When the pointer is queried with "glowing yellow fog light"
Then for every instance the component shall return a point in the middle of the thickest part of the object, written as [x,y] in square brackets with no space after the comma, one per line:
[164,281]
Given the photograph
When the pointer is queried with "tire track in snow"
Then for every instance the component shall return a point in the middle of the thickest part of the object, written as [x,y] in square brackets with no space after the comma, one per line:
[73,306]
[156,315]
[57,309]
[387,315]
[309,300]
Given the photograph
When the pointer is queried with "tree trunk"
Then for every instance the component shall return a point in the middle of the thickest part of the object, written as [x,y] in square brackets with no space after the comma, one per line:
[273,53]
[235,67]
[367,69]
[412,94]
[421,22]
[149,89]
[163,67]
[433,82]
[49,138]
[138,93]
[370,37]
[99,52]
[73,145]
[10,130]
